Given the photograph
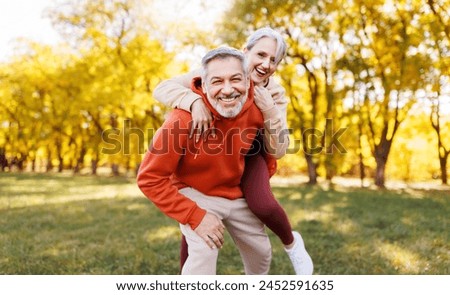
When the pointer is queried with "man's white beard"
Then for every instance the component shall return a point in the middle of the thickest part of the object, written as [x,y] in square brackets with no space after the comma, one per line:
[227,112]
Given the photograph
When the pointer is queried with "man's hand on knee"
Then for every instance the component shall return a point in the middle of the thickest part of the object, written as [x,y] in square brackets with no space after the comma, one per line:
[211,230]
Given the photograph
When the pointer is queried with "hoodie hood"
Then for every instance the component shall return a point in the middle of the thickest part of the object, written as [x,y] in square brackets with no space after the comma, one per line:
[196,86]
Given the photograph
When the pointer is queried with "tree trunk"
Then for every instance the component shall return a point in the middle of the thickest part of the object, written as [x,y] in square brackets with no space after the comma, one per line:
[33,165]
[381,154]
[380,171]
[20,162]
[80,160]
[115,169]
[49,166]
[443,165]
[59,154]
[60,164]
[94,165]
[3,160]
[362,172]
[312,169]
[136,170]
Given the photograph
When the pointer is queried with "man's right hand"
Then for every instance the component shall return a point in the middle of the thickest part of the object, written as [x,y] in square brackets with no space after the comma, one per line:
[211,230]
[201,119]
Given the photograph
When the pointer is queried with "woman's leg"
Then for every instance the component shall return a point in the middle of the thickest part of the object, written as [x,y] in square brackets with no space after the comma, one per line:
[256,188]
[183,251]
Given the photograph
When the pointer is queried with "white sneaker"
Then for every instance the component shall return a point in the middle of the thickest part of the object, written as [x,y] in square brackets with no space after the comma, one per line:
[300,259]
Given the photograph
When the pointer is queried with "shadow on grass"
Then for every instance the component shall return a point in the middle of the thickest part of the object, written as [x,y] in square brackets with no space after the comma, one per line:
[52,184]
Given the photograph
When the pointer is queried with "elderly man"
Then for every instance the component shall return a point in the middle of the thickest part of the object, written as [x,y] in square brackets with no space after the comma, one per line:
[198,183]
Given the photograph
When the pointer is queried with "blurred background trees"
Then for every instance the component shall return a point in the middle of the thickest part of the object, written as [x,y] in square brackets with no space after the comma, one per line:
[368,84]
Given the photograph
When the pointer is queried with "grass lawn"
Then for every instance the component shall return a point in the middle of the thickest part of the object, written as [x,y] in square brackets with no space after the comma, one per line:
[60,224]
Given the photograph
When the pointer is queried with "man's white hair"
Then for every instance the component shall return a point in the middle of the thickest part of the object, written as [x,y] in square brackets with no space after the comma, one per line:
[223,53]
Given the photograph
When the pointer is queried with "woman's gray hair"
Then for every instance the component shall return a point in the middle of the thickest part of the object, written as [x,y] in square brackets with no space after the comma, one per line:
[271,33]
[223,53]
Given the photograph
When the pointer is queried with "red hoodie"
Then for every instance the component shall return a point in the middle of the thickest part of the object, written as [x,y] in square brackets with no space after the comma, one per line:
[213,167]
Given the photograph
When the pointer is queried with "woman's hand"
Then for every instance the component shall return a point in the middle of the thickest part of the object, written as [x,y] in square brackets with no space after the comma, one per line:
[263,99]
[201,119]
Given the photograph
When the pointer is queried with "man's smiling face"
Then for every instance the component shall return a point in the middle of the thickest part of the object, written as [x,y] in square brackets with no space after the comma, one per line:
[226,86]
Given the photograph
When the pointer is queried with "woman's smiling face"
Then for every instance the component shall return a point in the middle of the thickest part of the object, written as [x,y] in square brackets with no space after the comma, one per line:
[261,60]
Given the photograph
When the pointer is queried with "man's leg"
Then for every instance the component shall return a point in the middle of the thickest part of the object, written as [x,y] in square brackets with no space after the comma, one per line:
[250,237]
[201,260]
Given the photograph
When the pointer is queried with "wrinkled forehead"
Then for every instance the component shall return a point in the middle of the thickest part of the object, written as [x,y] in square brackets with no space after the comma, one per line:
[224,67]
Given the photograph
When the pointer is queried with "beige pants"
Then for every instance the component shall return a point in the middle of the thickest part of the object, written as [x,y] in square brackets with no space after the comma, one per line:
[244,227]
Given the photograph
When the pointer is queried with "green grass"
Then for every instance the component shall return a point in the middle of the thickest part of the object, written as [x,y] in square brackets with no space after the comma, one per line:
[59,224]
